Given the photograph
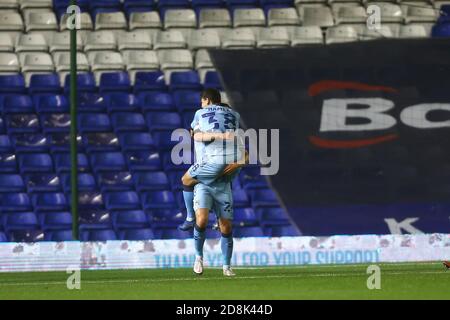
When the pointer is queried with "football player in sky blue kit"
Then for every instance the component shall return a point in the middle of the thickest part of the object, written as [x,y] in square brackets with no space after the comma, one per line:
[214,143]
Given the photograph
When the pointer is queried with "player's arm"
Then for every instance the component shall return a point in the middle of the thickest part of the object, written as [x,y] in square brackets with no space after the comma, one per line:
[231,168]
[211,136]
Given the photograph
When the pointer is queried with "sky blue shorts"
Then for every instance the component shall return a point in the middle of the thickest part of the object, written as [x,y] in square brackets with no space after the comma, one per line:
[217,197]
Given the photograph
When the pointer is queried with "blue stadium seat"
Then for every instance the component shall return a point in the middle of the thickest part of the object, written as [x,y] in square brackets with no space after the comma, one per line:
[143,160]
[185,80]
[187,100]
[98,235]
[212,80]
[115,181]
[94,122]
[173,233]
[51,103]
[282,231]
[85,83]
[122,200]
[55,220]
[272,216]
[108,161]
[14,202]
[12,83]
[156,101]
[95,219]
[244,217]
[35,162]
[263,198]
[42,182]
[28,142]
[22,123]
[136,141]
[205,4]
[26,236]
[55,122]
[5,143]
[186,160]
[240,199]
[17,103]
[187,117]
[11,183]
[164,5]
[251,178]
[44,83]
[20,221]
[110,4]
[101,141]
[91,102]
[8,163]
[165,217]
[137,234]
[85,182]
[163,120]
[62,162]
[175,179]
[50,201]
[2,126]
[158,200]
[3,237]
[119,101]
[146,181]
[441,30]
[248,232]
[129,219]
[89,200]
[149,81]
[135,5]
[128,121]
[115,82]
[237,4]
[444,16]
[58,235]
[163,140]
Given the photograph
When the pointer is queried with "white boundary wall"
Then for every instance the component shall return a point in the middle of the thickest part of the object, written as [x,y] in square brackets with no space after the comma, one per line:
[256,252]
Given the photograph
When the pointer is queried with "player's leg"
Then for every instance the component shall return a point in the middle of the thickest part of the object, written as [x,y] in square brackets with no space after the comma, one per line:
[226,245]
[202,205]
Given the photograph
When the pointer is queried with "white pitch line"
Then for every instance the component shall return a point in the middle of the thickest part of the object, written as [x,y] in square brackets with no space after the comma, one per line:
[199,278]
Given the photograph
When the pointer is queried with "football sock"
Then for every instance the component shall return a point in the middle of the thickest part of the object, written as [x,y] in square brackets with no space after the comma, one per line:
[188,196]
[226,244]
[199,240]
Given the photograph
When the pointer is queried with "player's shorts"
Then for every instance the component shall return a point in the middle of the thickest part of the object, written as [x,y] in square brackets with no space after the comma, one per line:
[206,173]
[217,197]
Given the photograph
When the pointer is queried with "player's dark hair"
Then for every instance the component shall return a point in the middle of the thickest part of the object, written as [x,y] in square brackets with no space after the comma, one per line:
[212,94]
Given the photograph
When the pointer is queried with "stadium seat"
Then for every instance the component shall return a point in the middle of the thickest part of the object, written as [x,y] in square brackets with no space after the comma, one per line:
[214,18]
[149,81]
[36,62]
[8,163]
[283,231]
[14,202]
[94,122]
[61,42]
[341,33]
[110,21]
[85,20]
[305,35]
[165,217]
[240,199]
[136,141]
[62,63]
[16,103]
[140,60]
[91,102]
[11,21]
[28,142]
[274,37]
[271,216]
[85,82]
[163,140]
[11,183]
[263,198]
[55,122]
[413,31]
[51,103]
[350,14]
[316,16]
[3,237]
[171,233]
[163,120]
[91,219]
[55,221]
[42,182]
[180,18]
[157,101]
[240,38]
[158,200]
[188,80]
[89,200]
[115,81]
[248,17]
[31,42]
[62,162]
[22,123]
[204,39]
[9,62]
[187,100]
[115,181]
[212,80]
[147,20]
[122,200]
[35,162]
[12,83]
[244,217]
[248,232]
[175,59]
[137,234]
[44,83]
[282,17]
[128,121]
[135,40]
[58,235]
[129,219]
[138,5]
[105,61]
[146,181]
[26,236]
[169,39]
[118,101]
[49,201]
[85,182]
[107,161]
[19,221]
[441,30]
[143,161]
[98,235]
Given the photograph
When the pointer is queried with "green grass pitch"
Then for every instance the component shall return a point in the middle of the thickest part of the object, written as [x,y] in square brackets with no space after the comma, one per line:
[398,281]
